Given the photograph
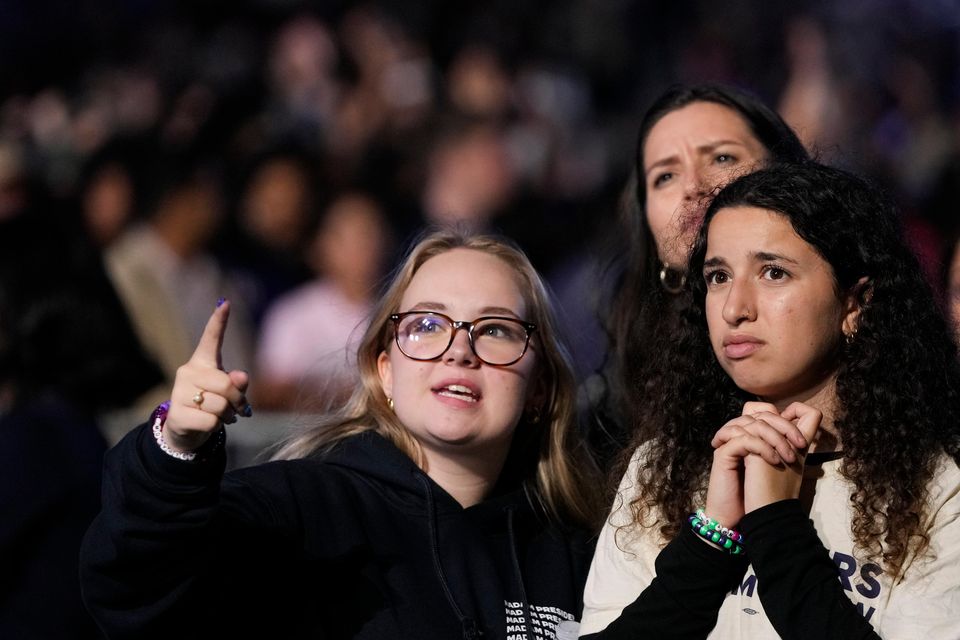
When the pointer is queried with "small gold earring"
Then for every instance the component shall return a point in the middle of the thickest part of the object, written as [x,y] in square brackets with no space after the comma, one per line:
[390,403]
[535,415]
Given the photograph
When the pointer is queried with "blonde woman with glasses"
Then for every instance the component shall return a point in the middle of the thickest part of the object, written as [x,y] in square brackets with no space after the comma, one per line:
[449,497]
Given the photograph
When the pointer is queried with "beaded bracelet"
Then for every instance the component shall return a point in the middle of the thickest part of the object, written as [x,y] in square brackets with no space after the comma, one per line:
[716,526]
[712,531]
[159,417]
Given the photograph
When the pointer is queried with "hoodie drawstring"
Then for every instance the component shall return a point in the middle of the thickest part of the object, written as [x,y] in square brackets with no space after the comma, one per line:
[516,568]
[468,625]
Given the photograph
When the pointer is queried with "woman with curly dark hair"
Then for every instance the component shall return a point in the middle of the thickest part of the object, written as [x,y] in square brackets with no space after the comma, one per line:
[813,339]
[692,140]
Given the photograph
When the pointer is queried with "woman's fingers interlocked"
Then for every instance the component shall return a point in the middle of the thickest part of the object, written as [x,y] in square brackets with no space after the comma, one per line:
[761,433]
[764,433]
[764,483]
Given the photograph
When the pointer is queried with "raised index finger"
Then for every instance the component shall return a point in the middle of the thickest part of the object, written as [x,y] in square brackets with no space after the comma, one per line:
[211,342]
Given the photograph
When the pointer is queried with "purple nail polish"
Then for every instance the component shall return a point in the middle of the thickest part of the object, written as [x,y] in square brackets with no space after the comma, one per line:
[220,302]
[247,411]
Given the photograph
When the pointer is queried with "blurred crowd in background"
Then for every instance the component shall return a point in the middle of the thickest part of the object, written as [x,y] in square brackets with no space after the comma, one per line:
[156,156]
[281,153]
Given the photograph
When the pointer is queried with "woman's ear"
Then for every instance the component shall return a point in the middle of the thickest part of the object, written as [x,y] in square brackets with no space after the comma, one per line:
[536,401]
[857,298]
[385,370]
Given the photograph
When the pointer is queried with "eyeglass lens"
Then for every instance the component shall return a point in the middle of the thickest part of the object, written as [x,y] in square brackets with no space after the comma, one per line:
[426,336]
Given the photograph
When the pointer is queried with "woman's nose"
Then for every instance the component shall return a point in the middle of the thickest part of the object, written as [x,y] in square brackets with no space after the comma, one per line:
[460,351]
[739,305]
[694,187]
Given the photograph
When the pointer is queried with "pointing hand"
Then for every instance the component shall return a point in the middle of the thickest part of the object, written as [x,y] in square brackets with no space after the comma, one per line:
[205,396]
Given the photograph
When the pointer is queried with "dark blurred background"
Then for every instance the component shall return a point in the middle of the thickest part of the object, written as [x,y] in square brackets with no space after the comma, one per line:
[535,101]
[282,153]
[155,156]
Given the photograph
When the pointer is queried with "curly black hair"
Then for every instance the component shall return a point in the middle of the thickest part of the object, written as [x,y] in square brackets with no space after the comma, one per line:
[897,382]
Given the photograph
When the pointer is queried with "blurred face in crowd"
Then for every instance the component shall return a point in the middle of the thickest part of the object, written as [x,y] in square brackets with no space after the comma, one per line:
[469,178]
[276,204]
[350,244]
[108,204]
[687,155]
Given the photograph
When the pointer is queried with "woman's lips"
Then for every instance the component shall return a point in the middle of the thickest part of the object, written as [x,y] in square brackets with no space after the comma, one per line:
[739,347]
[460,393]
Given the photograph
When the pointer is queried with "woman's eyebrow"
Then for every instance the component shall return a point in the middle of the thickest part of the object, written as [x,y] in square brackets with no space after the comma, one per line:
[499,311]
[433,306]
[764,256]
[711,146]
[485,311]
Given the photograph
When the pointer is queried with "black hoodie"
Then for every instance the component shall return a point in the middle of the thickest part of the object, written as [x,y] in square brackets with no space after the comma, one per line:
[357,544]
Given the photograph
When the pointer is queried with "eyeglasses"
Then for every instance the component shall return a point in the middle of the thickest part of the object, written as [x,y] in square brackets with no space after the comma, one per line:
[495,340]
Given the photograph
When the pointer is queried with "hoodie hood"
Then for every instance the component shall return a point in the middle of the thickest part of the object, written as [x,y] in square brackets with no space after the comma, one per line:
[509,512]
[376,457]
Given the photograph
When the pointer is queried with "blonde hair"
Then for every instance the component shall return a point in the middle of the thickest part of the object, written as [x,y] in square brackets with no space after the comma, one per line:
[560,469]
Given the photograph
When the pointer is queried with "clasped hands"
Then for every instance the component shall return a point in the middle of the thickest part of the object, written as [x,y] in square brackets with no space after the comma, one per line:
[758,459]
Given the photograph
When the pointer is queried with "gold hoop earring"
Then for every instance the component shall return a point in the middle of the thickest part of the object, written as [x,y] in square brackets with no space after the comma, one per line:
[534,415]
